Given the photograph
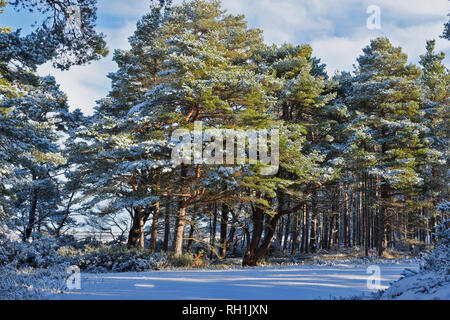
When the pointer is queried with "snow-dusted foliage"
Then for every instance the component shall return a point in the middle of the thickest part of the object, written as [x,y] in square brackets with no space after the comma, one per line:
[439,259]
[31,270]
[40,253]
[361,157]
[370,260]
[444,207]
[31,284]
[419,286]
[120,260]
[37,269]
[53,39]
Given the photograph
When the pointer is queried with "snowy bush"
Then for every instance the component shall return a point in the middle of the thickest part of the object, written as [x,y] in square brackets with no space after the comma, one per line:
[439,259]
[423,285]
[30,284]
[357,261]
[120,260]
[41,253]
[71,241]
[36,270]
[89,255]
[158,261]
[433,279]
[30,270]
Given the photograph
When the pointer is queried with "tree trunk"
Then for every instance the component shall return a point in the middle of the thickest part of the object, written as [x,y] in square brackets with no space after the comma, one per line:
[31,216]
[66,216]
[179,231]
[255,253]
[383,209]
[280,232]
[346,218]
[137,229]
[154,234]
[313,239]
[366,230]
[213,231]
[232,232]
[223,231]
[250,258]
[32,213]
[304,243]
[167,225]
[191,235]
[296,233]
[181,219]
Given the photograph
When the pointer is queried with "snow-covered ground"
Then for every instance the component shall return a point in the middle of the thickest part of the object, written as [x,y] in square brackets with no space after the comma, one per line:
[421,286]
[273,283]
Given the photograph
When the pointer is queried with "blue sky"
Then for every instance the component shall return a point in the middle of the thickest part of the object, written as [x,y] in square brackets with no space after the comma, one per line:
[336,29]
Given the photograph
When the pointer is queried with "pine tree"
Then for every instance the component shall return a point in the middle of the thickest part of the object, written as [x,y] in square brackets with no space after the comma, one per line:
[58,38]
[436,80]
[387,133]
[30,134]
[122,170]
[195,60]
[33,111]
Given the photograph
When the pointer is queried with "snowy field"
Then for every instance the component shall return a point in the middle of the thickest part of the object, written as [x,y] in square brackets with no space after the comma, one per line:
[274,283]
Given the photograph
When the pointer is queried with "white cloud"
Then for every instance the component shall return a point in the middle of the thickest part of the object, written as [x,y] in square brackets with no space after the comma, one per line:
[413,39]
[117,38]
[124,8]
[418,8]
[340,53]
[82,84]
[86,84]
[336,29]
[281,20]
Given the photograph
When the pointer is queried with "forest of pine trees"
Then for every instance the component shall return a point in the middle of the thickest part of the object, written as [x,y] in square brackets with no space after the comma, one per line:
[363,154]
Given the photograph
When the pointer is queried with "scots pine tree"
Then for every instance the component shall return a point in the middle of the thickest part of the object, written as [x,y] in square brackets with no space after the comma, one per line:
[300,100]
[33,111]
[30,134]
[436,81]
[206,77]
[66,35]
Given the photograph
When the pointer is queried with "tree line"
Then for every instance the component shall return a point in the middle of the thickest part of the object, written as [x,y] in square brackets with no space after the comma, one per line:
[363,155]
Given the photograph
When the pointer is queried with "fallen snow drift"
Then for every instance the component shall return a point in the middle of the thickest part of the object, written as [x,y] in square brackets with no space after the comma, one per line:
[432,281]
[419,286]
[276,283]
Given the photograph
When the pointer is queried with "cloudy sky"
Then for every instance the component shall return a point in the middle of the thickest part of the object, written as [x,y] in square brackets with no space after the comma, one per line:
[336,29]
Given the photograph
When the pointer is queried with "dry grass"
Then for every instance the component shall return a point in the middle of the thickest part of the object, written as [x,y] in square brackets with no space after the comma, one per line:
[188,260]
